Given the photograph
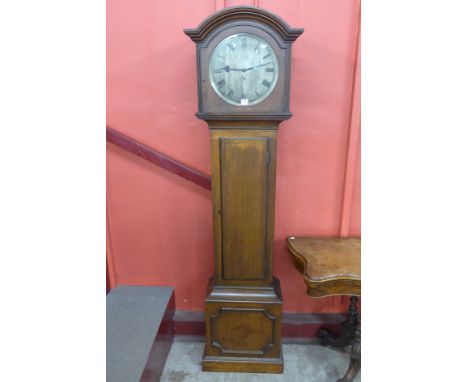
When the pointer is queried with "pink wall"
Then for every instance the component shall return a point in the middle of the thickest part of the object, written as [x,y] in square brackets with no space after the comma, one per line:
[159,225]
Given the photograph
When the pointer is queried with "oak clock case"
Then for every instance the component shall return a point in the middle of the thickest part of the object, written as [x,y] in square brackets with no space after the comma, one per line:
[243,104]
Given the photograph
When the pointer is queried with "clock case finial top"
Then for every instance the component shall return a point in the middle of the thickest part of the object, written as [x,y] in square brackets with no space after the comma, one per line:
[229,14]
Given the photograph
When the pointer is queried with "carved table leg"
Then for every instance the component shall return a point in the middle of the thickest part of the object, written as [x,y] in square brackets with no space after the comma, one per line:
[348,328]
[355,363]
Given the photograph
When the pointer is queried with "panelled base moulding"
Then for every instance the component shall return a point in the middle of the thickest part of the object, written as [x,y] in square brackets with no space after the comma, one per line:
[243,329]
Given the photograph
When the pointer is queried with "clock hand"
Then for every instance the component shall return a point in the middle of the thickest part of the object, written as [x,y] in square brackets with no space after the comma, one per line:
[257,66]
[227,68]
[242,83]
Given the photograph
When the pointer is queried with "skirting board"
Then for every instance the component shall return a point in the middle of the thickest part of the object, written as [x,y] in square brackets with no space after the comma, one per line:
[295,325]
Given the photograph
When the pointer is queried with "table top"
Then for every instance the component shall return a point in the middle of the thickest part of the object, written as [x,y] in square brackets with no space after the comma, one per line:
[330,266]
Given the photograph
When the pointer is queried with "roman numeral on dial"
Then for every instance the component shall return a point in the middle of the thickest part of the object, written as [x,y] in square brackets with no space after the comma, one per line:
[230,94]
[266,83]
[269,69]
[221,83]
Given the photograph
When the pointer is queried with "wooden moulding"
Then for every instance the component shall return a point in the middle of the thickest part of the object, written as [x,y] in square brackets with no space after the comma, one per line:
[240,365]
[229,14]
[157,158]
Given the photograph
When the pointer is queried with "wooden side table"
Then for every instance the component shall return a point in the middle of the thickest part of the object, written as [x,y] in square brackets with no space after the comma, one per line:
[332,266]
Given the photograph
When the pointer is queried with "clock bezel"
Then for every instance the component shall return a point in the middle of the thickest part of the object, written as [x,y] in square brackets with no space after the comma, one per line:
[213,80]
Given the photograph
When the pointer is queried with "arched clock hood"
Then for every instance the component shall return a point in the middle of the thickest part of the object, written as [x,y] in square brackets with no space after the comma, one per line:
[243,13]
[266,26]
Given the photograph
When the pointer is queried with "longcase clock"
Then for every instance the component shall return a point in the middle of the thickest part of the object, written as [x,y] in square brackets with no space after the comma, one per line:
[243,70]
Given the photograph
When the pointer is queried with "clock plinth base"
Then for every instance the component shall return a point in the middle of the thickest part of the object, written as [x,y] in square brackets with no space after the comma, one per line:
[243,328]
[242,365]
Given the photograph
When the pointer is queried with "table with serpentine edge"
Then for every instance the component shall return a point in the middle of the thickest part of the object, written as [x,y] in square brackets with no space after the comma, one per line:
[330,267]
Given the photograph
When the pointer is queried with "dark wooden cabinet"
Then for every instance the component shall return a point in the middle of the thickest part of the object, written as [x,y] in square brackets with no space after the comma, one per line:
[244,302]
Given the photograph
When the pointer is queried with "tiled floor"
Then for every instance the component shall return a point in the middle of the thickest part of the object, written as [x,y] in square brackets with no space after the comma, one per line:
[302,362]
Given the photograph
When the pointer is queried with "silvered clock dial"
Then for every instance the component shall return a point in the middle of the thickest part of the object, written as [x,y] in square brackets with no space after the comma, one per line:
[243,69]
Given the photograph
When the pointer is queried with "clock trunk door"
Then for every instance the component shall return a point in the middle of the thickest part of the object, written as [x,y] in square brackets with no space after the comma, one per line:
[243,184]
